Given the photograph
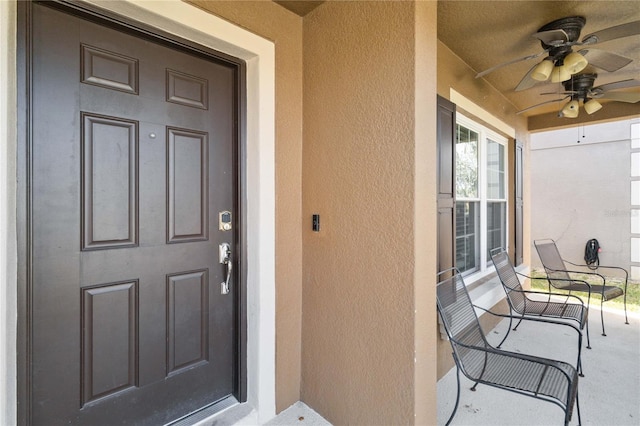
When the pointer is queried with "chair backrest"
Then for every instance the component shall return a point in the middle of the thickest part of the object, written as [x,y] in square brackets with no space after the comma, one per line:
[553,264]
[459,318]
[509,280]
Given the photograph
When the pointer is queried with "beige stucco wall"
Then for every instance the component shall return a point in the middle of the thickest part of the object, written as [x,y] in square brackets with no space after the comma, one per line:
[590,197]
[284,28]
[363,151]
[361,282]
[454,73]
[425,212]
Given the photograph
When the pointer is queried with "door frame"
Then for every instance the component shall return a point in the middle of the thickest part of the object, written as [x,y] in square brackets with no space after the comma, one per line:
[207,35]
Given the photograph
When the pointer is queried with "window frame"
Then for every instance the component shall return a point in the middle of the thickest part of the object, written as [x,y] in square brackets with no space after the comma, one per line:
[485,134]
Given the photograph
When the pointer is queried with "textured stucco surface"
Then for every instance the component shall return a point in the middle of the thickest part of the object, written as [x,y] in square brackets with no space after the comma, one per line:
[358,174]
[284,28]
[425,208]
[589,197]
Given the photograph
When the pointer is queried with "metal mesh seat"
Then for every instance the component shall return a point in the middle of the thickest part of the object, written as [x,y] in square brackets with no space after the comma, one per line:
[541,378]
[562,310]
[558,276]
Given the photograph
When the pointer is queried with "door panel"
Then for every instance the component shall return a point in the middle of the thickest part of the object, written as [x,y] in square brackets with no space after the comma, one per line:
[109,182]
[133,156]
[187,185]
[109,335]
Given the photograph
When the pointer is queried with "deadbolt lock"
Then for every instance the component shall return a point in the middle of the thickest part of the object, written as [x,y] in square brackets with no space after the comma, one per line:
[224,221]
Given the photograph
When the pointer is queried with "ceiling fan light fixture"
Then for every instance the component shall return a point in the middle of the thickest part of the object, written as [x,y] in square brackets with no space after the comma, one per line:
[592,106]
[571,109]
[575,62]
[542,71]
[559,74]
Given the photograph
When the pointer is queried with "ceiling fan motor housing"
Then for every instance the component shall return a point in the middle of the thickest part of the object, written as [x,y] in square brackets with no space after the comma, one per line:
[558,38]
[580,85]
[571,26]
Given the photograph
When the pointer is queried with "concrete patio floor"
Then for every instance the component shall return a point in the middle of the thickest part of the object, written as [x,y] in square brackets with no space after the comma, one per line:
[609,392]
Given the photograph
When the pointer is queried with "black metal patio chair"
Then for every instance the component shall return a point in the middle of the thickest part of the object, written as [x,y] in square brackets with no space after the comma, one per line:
[558,276]
[546,307]
[541,378]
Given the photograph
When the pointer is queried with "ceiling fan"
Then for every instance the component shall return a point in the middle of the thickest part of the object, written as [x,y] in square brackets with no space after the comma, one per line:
[558,38]
[579,88]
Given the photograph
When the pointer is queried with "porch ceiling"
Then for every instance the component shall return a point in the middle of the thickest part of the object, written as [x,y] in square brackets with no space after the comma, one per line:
[487,33]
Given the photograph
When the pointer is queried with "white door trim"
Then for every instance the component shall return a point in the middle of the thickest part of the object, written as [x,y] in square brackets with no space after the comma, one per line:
[191,23]
[8,239]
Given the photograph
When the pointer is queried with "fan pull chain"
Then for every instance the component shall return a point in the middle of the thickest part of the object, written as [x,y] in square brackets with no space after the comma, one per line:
[578,141]
[583,135]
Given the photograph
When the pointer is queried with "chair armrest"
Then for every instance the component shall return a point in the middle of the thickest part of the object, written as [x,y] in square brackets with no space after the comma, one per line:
[544,293]
[527,276]
[559,279]
[604,280]
[626,273]
[599,266]
[556,294]
[575,272]
[531,278]
[489,311]
[570,280]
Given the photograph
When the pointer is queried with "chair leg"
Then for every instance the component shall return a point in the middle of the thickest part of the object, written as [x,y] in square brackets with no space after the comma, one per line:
[484,366]
[626,319]
[518,324]
[602,316]
[580,372]
[508,331]
[578,407]
[567,414]
[455,407]
[588,340]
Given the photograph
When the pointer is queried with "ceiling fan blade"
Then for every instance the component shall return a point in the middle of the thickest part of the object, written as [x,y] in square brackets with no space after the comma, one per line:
[622,84]
[556,37]
[527,82]
[630,97]
[605,60]
[543,103]
[612,33]
[526,58]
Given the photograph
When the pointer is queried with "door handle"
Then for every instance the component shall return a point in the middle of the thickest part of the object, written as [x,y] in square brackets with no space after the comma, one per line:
[224,256]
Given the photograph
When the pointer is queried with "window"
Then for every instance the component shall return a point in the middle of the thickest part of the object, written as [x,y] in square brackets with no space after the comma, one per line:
[481,200]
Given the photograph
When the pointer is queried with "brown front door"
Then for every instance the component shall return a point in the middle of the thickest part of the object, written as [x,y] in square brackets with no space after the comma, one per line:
[133,158]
